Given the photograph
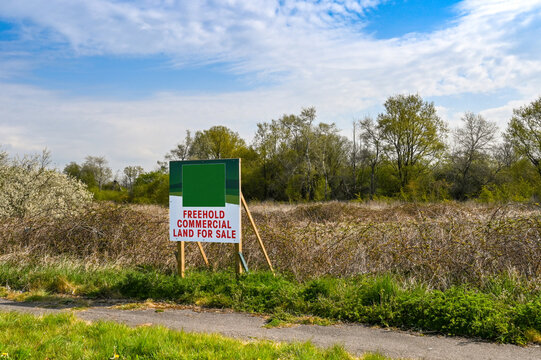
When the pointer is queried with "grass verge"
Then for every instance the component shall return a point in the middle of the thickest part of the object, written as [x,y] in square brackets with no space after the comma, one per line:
[65,337]
[504,310]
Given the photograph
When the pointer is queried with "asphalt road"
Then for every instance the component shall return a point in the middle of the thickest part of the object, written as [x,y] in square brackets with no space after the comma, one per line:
[357,339]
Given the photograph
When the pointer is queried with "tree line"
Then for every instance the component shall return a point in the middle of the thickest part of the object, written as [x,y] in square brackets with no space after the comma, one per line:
[407,152]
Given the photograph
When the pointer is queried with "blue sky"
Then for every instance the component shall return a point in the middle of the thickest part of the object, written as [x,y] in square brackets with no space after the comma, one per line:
[126,79]
[132,76]
[398,18]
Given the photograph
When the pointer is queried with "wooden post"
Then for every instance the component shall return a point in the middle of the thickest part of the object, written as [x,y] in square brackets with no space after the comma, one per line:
[181,259]
[238,246]
[256,232]
[203,253]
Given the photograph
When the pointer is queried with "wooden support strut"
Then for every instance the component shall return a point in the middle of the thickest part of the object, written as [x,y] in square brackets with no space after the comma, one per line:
[238,261]
[256,233]
[203,253]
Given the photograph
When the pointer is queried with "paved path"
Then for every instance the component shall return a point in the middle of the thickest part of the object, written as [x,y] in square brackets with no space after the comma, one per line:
[357,339]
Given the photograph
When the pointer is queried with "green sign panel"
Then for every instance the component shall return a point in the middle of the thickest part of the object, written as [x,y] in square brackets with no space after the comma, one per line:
[204,200]
[203,185]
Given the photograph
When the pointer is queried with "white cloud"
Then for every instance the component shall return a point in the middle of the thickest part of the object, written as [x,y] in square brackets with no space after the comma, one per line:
[502,114]
[313,58]
[126,132]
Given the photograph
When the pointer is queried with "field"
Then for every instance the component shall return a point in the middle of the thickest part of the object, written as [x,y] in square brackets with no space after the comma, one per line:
[454,268]
[439,244]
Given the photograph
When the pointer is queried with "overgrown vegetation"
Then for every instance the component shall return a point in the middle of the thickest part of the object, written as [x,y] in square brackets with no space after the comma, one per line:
[456,268]
[504,309]
[64,337]
[439,244]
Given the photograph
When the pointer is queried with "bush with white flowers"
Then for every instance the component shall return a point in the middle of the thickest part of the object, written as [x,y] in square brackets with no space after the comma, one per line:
[28,189]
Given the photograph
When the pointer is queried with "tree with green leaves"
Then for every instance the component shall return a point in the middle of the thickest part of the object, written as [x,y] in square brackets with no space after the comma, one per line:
[297,154]
[73,169]
[151,188]
[413,135]
[524,132]
[285,147]
[218,142]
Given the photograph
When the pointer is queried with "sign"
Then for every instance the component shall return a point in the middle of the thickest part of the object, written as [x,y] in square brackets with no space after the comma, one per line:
[204,200]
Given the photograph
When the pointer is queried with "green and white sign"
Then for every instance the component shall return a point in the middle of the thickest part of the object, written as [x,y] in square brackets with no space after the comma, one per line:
[204,200]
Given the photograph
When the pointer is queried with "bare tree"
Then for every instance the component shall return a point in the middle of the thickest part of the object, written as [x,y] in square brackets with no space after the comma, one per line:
[97,166]
[182,151]
[131,173]
[473,143]
[505,155]
[307,117]
[371,149]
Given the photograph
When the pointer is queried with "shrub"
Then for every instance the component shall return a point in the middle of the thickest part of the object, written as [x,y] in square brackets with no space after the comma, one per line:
[30,189]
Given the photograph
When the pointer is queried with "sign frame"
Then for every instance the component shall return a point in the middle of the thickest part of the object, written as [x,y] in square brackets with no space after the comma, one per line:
[205,201]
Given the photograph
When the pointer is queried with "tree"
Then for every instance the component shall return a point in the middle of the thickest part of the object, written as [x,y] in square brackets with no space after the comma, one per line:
[505,155]
[266,145]
[474,141]
[331,151]
[307,117]
[131,173]
[293,135]
[3,158]
[354,157]
[95,167]
[151,188]
[413,134]
[524,132]
[288,148]
[371,149]
[218,142]
[73,169]
[181,152]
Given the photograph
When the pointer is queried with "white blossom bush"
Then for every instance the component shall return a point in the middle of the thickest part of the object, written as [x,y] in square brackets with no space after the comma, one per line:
[28,189]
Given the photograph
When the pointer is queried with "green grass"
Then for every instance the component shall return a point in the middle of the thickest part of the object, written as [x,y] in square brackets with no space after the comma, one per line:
[503,310]
[281,319]
[65,337]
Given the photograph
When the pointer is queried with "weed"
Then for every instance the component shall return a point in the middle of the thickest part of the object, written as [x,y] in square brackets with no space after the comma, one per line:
[533,336]
[282,319]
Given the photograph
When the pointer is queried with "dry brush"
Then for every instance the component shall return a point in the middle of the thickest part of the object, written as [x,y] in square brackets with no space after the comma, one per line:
[440,244]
